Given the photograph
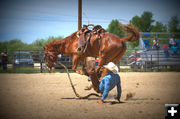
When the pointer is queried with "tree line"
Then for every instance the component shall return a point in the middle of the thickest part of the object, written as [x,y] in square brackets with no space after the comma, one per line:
[17,44]
[144,23]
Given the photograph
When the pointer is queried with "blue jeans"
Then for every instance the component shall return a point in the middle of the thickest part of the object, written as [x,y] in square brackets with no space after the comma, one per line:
[4,65]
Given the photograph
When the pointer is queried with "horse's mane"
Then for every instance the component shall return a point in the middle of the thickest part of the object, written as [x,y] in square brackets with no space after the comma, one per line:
[67,40]
[70,38]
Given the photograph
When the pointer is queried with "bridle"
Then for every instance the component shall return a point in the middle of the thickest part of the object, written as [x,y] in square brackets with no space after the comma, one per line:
[49,58]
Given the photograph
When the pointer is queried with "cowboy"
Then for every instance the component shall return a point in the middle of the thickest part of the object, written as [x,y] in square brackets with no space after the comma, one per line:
[111,80]
[4,59]
[156,43]
[172,41]
[81,40]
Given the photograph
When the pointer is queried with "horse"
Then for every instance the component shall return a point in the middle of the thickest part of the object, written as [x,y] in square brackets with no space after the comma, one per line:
[109,48]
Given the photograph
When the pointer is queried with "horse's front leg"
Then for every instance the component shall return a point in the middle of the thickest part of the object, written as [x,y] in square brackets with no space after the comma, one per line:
[84,70]
[76,61]
[74,68]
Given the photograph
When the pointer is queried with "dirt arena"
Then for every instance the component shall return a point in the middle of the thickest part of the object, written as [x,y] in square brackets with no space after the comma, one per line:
[50,96]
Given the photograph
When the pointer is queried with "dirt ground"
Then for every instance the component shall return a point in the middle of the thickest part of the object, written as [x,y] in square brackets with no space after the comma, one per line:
[50,96]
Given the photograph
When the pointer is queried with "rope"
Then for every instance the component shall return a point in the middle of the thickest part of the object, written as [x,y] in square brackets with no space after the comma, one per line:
[86,43]
[74,90]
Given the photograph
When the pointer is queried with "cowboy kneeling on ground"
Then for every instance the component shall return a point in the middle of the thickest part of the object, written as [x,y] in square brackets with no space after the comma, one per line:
[108,82]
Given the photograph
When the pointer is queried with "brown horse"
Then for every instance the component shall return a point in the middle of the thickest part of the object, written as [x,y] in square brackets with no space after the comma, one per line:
[109,48]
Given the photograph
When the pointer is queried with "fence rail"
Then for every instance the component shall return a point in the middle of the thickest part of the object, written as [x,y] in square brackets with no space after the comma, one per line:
[136,60]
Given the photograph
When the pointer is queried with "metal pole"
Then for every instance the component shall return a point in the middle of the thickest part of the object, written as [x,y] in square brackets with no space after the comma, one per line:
[158,59]
[41,62]
[135,61]
[79,14]
[41,69]
[151,62]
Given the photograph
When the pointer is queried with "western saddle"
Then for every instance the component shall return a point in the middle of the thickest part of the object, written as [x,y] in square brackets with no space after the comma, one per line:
[82,41]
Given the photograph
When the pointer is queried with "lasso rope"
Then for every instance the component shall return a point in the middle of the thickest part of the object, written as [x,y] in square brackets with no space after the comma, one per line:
[74,90]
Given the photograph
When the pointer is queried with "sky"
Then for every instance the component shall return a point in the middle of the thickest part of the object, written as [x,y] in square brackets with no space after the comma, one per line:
[29,20]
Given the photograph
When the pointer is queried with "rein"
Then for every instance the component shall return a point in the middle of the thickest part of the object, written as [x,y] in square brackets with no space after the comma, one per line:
[86,43]
[74,90]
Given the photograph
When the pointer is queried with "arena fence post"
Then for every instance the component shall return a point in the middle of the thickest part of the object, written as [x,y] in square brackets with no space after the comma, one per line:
[41,68]
[158,59]
[135,61]
[151,62]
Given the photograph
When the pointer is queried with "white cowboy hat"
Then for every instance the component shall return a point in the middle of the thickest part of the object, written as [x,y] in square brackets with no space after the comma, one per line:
[112,67]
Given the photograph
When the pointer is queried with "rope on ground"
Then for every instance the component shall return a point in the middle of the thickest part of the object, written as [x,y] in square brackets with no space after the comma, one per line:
[74,90]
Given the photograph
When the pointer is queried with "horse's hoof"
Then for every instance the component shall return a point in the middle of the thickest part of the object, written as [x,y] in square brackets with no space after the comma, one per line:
[81,72]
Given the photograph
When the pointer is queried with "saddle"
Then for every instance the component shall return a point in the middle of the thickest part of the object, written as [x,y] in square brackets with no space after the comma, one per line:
[82,41]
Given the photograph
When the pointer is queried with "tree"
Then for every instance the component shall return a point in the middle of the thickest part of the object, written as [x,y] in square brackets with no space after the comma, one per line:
[173,24]
[114,28]
[40,43]
[143,23]
[3,46]
[54,38]
[12,46]
[137,22]
[159,27]
[16,44]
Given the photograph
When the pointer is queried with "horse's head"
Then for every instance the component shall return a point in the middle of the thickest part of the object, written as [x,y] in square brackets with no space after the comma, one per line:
[50,59]
[51,51]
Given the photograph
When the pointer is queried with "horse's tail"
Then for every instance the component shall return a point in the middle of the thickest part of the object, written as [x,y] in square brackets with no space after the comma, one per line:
[134,34]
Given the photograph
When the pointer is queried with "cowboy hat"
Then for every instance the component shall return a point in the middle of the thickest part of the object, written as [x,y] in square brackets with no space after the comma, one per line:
[112,67]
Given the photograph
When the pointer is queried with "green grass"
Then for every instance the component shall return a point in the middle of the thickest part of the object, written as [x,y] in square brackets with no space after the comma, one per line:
[29,70]
[20,70]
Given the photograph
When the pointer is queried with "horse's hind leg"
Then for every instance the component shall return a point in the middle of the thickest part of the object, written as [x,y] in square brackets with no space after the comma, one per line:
[106,57]
[114,59]
[100,64]
[119,56]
